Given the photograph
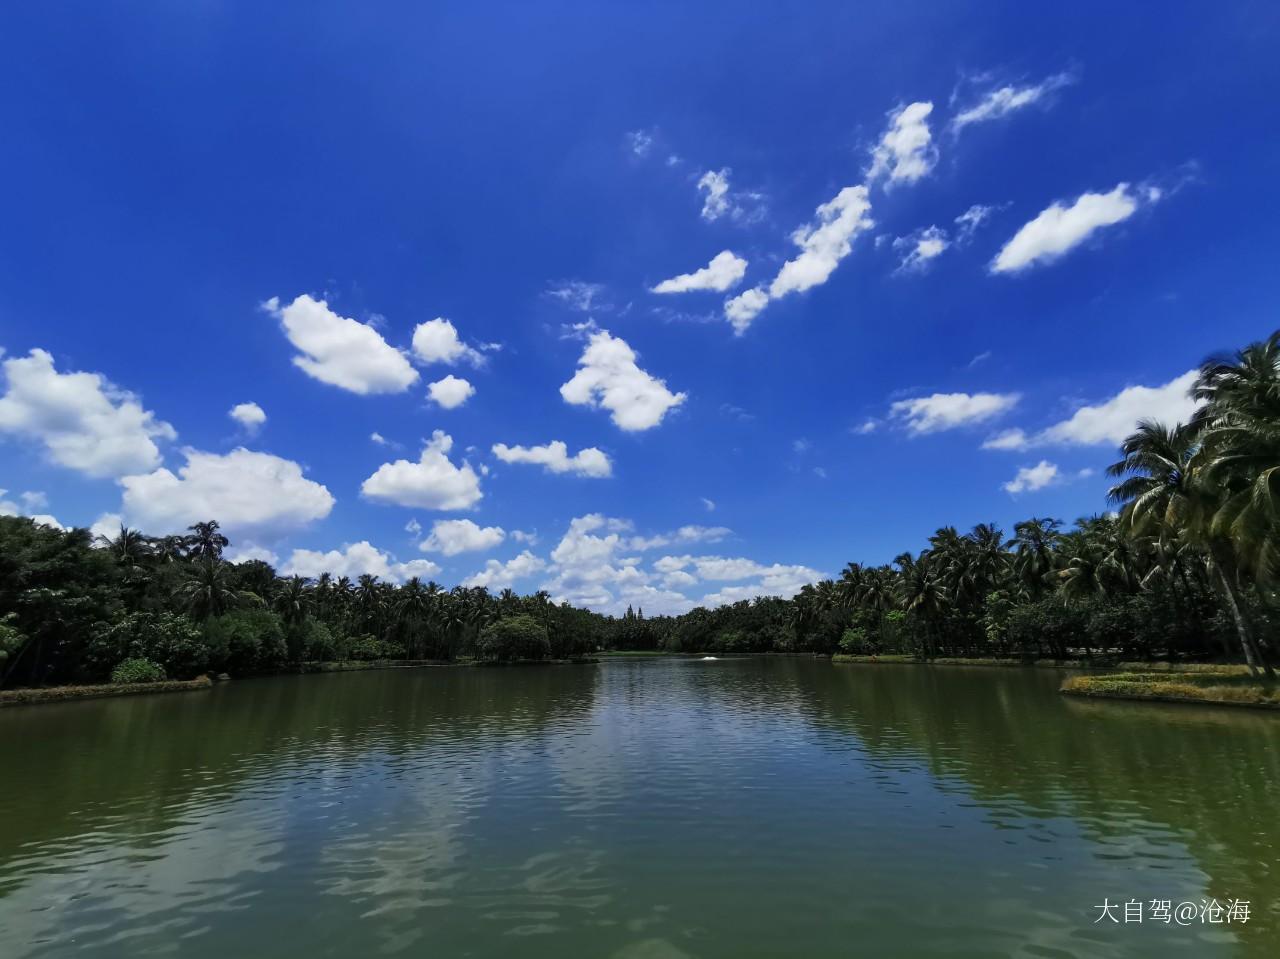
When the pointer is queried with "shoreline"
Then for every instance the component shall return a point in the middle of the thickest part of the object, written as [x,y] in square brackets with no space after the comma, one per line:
[40,695]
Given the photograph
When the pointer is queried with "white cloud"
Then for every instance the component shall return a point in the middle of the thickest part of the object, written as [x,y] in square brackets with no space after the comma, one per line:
[682,536]
[906,152]
[34,499]
[106,526]
[970,220]
[945,411]
[723,272]
[341,351]
[1111,421]
[825,242]
[355,560]
[1032,478]
[379,439]
[1011,439]
[608,377]
[249,415]
[866,427]
[251,552]
[1060,228]
[1002,101]
[640,142]
[450,392]
[7,506]
[745,307]
[245,491]
[523,536]
[437,341]
[714,184]
[431,483]
[83,421]
[454,536]
[919,248]
[555,458]
[708,504]
[498,575]
[579,295]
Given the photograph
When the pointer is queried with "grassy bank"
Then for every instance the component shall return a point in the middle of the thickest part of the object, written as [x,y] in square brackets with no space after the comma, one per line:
[1212,685]
[963,661]
[59,694]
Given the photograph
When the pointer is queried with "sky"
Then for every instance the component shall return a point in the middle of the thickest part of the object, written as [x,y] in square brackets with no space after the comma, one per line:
[642,304]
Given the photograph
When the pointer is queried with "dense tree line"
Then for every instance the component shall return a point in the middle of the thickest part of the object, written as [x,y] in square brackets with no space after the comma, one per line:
[1186,569]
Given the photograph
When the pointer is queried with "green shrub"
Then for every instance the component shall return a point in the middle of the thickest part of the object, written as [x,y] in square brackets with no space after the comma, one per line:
[514,638]
[172,641]
[246,641]
[137,671]
[854,642]
[367,648]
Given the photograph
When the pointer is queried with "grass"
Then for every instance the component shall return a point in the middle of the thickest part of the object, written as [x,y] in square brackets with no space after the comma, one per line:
[959,661]
[58,694]
[1205,685]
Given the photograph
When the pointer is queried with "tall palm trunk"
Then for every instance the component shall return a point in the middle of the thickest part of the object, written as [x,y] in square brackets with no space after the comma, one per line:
[1226,579]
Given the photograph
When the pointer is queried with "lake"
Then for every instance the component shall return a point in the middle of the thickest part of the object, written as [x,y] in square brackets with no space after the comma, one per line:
[640,809]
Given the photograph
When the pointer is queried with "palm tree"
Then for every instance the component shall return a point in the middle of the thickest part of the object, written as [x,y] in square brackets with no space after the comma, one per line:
[207,591]
[1035,541]
[293,601]
[1162,486]
[1239,427]
[206,542]
[129,547]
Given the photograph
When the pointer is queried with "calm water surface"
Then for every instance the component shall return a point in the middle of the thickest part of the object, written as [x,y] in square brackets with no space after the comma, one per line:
[635,809]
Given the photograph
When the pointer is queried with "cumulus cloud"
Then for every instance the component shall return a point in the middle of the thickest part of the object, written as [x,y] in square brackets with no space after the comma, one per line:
[682,536]
[341,351]
[251,553]
[918,249]
[1114,419]
[608,377]
[1060,228]
[824,242]
[1001,101]
[437,341]
[724,272]
[714,185]
[83,421]
[905,152]
[1032,478]
[554,457]
[454,536]
[251,416]
[718,200]
[433,482]
[245,491]
[745,307]
[450,392]
[498,575]
[946,411]
[356,560]
[106,527]
[1109,422]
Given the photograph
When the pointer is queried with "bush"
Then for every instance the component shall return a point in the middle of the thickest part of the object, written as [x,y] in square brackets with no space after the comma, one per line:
[245,641]
[854,642]
[171,641]
[137,671]
[514,638]
[368,648]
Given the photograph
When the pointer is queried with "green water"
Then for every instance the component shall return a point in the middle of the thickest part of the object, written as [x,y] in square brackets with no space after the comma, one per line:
[637,809]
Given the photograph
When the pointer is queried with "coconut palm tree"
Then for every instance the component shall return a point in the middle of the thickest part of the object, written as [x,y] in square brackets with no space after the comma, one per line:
[206,542]
[1162,486]
[208,591]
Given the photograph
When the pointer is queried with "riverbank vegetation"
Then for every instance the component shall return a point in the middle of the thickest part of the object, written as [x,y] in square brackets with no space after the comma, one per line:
[1186,570]
[1187,686]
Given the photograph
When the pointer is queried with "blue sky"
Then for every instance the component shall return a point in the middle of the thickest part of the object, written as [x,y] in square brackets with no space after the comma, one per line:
[922,230]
